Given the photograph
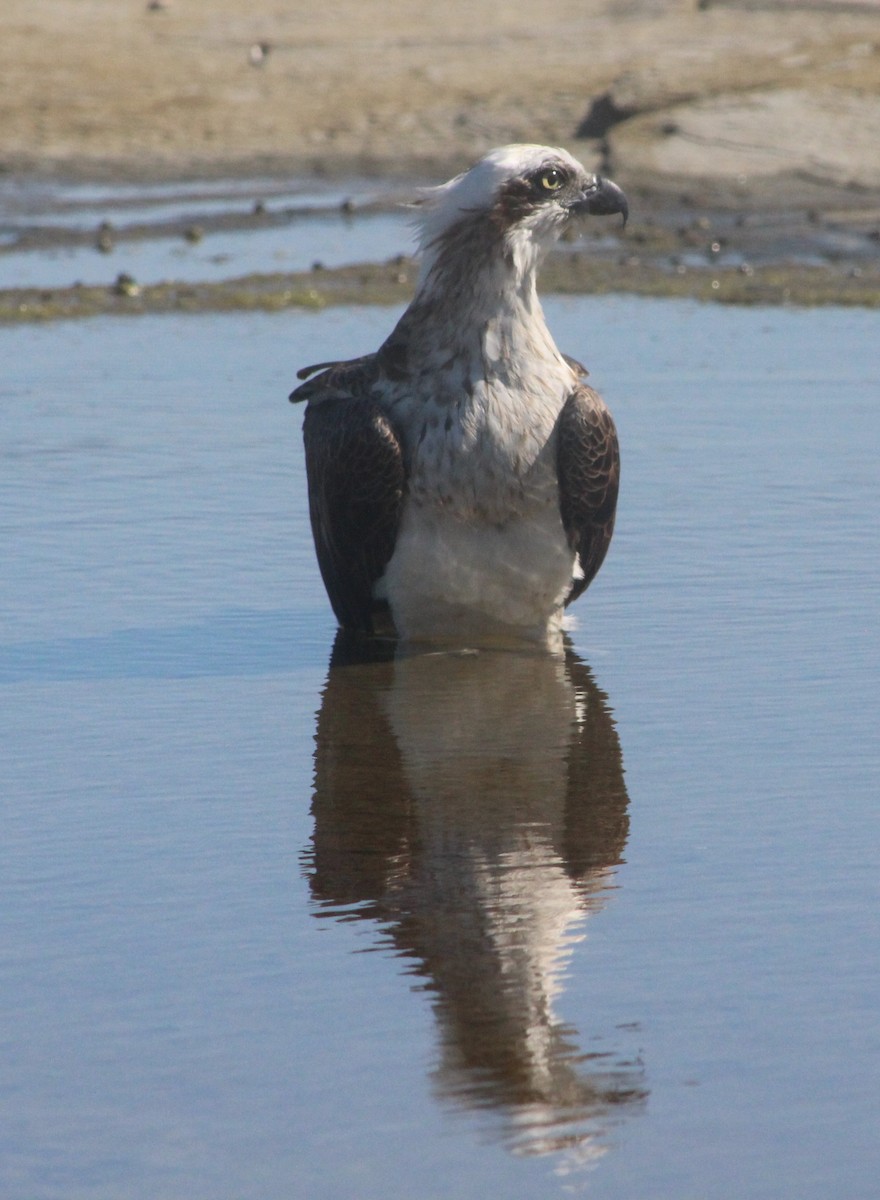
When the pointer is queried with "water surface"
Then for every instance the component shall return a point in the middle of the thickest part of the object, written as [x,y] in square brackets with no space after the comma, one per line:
[330,239]
[283,923]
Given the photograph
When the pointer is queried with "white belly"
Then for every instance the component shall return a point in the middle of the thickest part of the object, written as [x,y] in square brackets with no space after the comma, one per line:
[481,551]
[453,579]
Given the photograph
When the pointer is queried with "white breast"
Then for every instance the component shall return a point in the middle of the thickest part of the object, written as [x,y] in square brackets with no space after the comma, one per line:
[450,579]
[481,549]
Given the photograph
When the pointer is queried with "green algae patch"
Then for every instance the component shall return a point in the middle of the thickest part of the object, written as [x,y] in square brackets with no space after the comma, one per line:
[776,284]
[571,273]
[369,284]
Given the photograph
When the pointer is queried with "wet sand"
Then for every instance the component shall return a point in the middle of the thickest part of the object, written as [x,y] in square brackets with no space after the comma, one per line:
[98,88]
[760,121]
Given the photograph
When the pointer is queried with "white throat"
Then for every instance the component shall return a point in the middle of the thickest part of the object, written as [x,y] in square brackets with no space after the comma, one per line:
[476,305]
[481,538]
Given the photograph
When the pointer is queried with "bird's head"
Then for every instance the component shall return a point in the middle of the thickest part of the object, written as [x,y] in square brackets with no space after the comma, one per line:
[523,194]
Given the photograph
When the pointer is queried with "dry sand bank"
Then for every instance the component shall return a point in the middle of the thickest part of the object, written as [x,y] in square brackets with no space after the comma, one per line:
[741,96]
[746,125]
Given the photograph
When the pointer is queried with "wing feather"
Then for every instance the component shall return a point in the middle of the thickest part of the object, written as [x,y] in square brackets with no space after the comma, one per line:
[356,482]
[588,467]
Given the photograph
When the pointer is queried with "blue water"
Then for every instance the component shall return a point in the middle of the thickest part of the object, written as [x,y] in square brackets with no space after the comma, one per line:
[331,239]
[28,201]
[456,924]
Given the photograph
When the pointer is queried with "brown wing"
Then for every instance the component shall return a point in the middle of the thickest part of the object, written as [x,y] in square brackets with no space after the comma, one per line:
[356,482]
[588,466]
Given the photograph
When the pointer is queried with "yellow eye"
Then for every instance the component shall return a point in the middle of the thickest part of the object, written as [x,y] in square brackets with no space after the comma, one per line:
[552,179]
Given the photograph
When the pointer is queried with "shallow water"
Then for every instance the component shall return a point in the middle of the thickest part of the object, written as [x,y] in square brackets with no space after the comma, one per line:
[453,924]
[29,202]
[333,240]
[303,225]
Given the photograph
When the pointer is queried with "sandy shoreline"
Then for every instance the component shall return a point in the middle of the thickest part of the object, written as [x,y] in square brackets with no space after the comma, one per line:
[758,120]
[748,99]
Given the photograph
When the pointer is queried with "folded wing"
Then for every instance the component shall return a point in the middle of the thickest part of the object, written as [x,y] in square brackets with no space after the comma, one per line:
[588,467]
[356,482]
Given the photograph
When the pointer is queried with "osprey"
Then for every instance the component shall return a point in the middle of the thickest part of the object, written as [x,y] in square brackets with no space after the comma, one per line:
[464,476]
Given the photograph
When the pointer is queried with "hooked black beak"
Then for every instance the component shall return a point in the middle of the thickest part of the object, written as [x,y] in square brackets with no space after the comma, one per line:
[601,198]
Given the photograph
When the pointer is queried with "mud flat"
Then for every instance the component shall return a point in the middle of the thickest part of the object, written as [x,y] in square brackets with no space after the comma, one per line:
[740,94]
[392,283]
[744,133]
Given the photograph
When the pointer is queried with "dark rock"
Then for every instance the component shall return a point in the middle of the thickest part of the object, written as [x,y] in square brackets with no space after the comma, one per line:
[604,113]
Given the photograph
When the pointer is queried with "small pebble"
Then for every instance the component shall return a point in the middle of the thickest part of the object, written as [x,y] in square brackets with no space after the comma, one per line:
[126,285]
[104,238]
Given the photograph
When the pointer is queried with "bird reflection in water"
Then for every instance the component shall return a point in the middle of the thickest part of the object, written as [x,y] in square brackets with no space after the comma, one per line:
[473,804]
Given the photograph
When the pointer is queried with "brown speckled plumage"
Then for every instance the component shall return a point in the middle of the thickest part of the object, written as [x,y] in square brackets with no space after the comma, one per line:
[465,475]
